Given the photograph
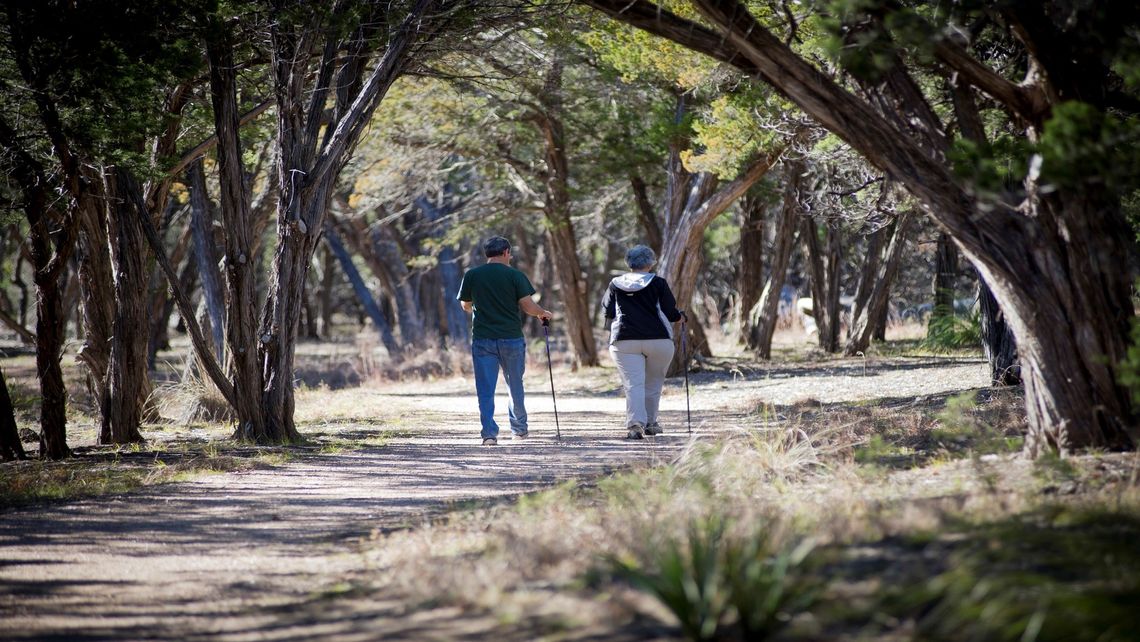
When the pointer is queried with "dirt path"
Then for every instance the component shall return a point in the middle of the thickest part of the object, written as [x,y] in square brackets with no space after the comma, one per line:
[247,556]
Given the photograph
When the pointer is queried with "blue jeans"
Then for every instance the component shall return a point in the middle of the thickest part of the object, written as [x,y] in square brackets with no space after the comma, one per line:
[488,355]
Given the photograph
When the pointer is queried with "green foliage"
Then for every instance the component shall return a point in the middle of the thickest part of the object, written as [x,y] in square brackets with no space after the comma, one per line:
[715,582]
[1128,370]
[1060,574]
[1081,143]
[948,331]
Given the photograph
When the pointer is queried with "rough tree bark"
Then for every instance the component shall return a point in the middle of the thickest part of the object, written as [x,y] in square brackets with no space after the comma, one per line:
[865,318]
[450,275]
[681,258]
[750,267]
[945,276]
[1039,257]
[765,314]
[241,281]
[824,267]
[560,235]
[314,143]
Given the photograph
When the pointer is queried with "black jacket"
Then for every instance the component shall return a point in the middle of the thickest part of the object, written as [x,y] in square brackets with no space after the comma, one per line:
[641,306]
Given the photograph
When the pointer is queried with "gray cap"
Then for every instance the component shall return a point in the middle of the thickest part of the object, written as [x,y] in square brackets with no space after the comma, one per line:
[495,246]
[640,257]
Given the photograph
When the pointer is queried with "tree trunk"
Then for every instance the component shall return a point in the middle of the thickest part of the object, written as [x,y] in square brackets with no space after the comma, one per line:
[945,276]
[49,348]
[764,315]
[363,295]
[750,268]
[97,299]
[164,302]
[868,274]
[865,320]
[241,281]
[206,256]
[10,445]
[680,259]
[562,242]
[408,305]
[127,371]
[646,215]
[450,276]
[823,257]
[312,152]
[997,340]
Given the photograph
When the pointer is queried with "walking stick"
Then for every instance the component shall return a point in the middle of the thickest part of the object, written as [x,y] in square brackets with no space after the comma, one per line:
[550,369]
[685,367]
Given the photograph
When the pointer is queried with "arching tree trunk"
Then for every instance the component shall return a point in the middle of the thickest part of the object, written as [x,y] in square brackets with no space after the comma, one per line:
[764,315]
[867,317]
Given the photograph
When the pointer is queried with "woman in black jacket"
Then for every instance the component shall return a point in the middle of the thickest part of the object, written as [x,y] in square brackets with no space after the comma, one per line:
[642,309]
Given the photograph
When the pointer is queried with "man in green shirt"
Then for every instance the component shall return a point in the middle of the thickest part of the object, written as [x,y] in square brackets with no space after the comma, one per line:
[497,293]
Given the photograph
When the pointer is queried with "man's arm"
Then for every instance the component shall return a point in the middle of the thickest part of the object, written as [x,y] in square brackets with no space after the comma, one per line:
[526,304]
[466,306]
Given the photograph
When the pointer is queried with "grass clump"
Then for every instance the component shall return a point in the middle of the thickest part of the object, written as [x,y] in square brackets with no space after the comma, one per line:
[1059,573]
[722,585]
[948,332]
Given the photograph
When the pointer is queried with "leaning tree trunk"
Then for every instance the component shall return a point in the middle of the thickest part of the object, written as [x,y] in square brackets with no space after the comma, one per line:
[865,320]
[997,340]
[680,259]
[363,295]
[10,445]
[868,274]
[764,315]
[206,256]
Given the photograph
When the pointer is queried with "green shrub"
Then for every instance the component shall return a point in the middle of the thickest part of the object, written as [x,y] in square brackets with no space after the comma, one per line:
[721,585]
[948,331]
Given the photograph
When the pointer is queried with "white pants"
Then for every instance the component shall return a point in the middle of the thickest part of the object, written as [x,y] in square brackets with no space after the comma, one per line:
[642,365]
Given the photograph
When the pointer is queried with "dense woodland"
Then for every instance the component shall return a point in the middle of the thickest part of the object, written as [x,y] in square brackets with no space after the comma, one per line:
[257,174]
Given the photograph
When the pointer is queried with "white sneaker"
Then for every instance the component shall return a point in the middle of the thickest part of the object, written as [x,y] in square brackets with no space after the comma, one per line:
[490,441]
[520,435]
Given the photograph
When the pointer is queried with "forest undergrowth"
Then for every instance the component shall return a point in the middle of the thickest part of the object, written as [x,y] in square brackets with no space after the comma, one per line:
[898,519]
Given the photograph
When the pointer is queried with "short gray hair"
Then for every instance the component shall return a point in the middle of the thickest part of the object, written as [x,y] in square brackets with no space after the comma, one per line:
[640,257]
[495,246]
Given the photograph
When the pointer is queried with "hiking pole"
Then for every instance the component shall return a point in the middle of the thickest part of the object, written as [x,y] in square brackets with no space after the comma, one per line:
[685,367]
[550,369]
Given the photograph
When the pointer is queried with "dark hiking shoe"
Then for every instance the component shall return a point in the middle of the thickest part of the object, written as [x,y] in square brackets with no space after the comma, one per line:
[490,441]
[636,431]
[653,429]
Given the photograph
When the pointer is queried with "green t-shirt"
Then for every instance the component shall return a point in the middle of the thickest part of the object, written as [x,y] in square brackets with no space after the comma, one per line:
[495,290]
